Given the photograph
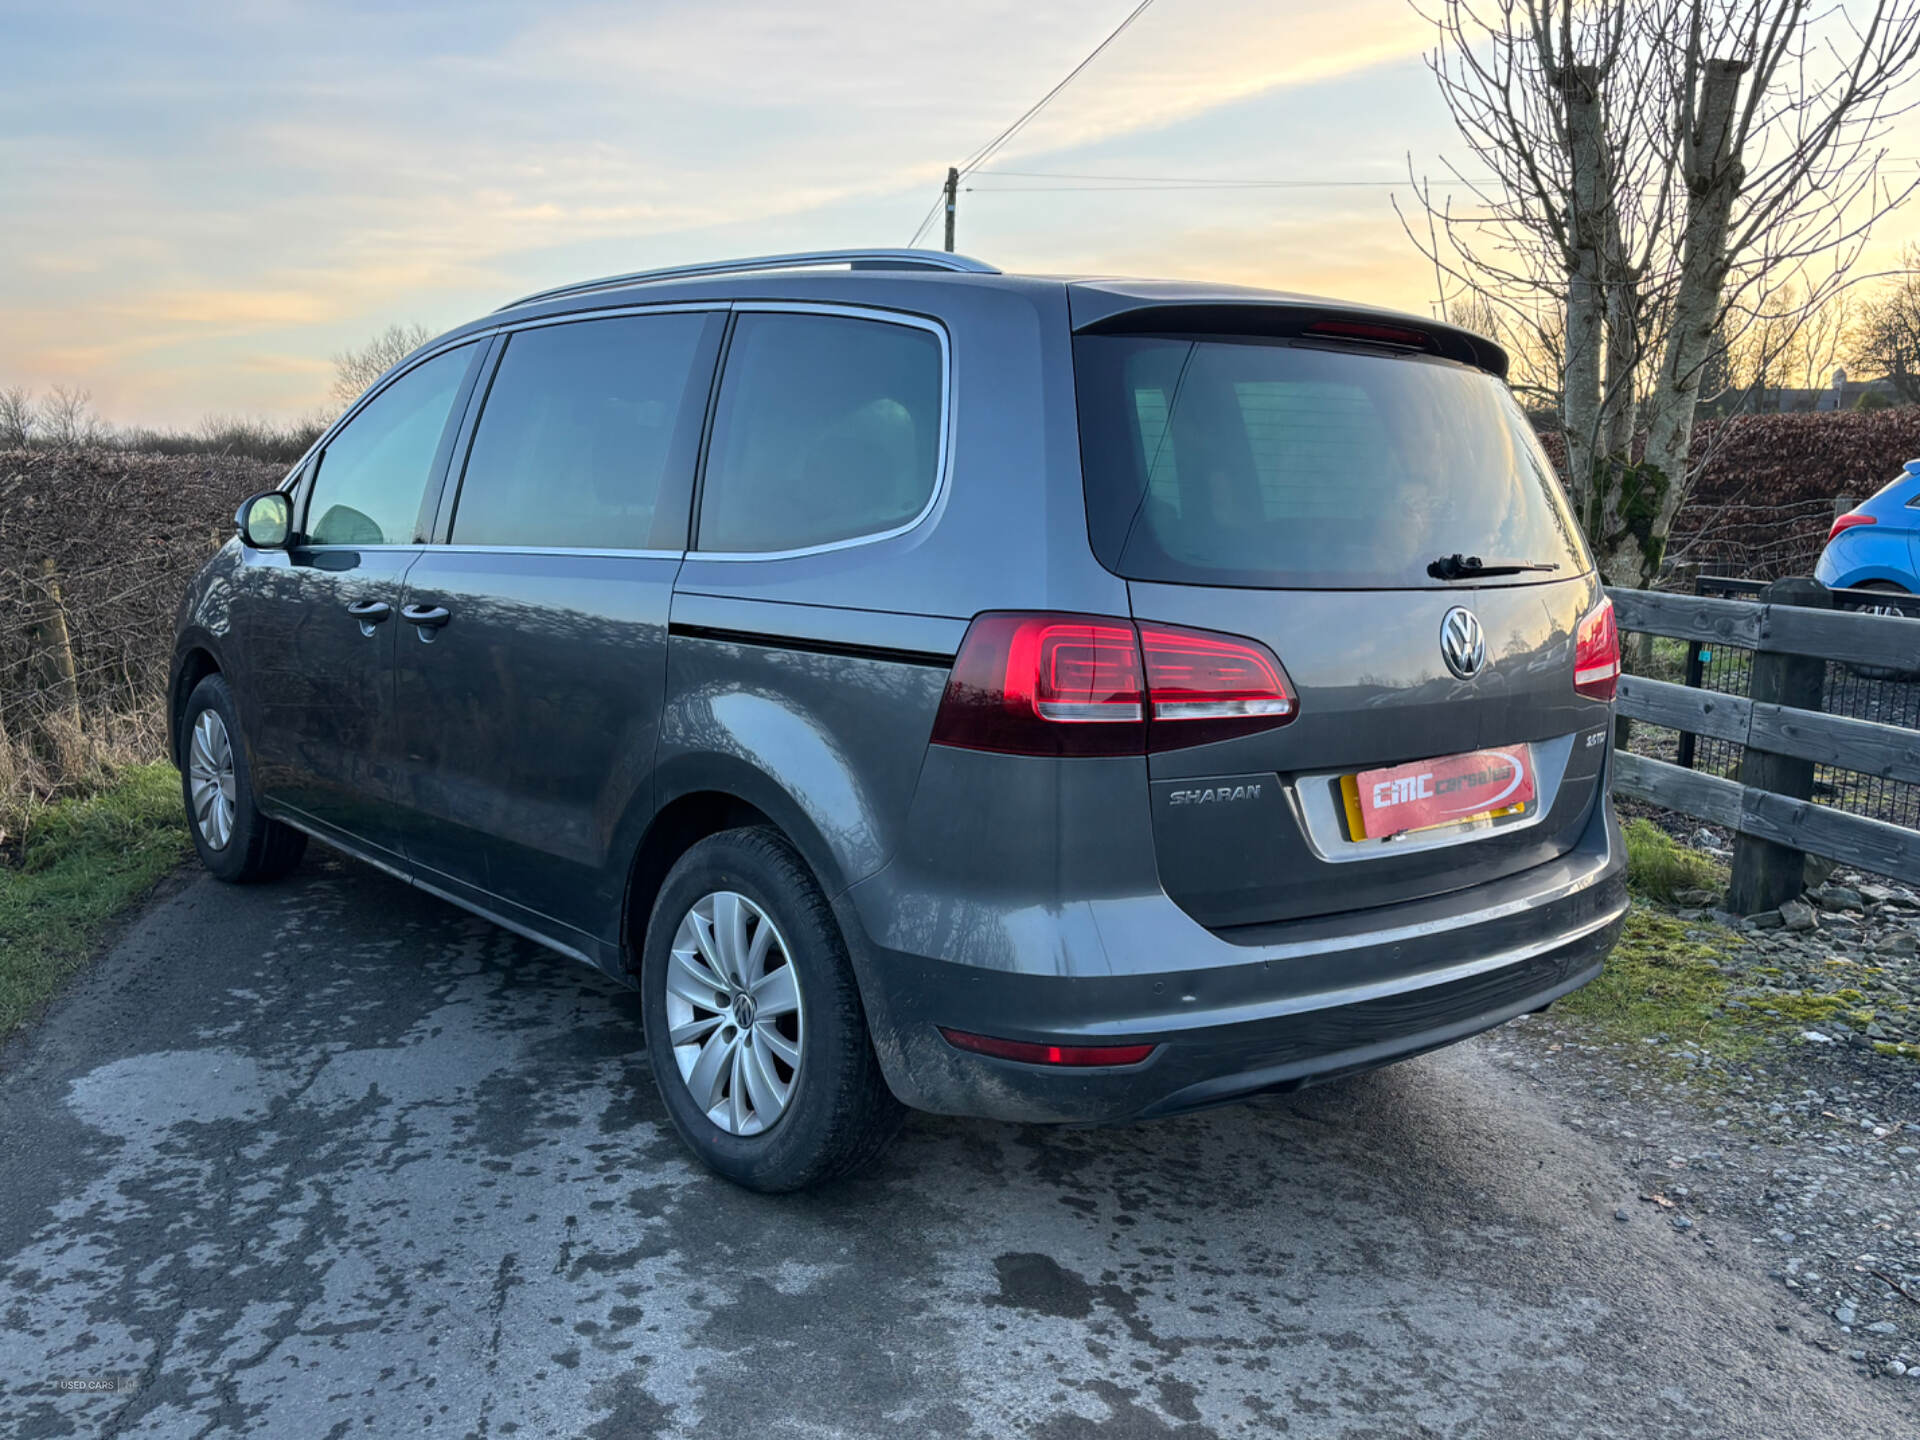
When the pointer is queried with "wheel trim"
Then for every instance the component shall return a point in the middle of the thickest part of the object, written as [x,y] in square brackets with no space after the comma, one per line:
[734,1015]
[211,784]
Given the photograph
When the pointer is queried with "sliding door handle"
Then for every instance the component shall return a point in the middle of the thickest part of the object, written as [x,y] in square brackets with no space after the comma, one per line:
[427,617]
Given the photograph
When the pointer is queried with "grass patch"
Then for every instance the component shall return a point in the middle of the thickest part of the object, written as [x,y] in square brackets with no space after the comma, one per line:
[84,861]
[1659,869]
[1661,982]
[1668,658]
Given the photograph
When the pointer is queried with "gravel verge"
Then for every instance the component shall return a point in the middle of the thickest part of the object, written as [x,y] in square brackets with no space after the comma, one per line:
[1777,1123]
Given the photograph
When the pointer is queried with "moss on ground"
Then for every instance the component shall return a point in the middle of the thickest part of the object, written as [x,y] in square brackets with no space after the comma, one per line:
[1669,981]
[83,862]
[1662,982]
[1803,1007]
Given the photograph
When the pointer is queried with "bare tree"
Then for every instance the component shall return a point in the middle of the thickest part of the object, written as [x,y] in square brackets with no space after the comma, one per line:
[1887,339]
[355,370]
[1480,315]
[1564,232]
[1824,341]
[1787,343]
[1539,352]
[67,420]
[1718,377]
[1661,168]
[16,415]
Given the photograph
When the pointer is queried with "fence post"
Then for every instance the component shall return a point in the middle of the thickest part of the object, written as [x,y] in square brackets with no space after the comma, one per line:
[1766,874]
[1696,674]
[51,675]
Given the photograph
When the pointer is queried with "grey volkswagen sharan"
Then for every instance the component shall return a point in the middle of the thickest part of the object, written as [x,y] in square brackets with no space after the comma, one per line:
[1047,699]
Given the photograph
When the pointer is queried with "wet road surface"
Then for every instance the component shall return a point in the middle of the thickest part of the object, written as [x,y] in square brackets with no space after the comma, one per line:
[331,1158]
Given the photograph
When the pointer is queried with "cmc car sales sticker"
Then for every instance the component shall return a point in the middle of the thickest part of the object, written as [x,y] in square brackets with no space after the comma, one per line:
[1446,791]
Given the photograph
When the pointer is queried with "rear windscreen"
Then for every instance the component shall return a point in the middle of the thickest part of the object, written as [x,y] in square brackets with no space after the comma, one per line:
[1292,465]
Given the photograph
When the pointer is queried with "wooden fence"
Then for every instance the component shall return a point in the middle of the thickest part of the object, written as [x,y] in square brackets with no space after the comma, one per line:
[1793,632]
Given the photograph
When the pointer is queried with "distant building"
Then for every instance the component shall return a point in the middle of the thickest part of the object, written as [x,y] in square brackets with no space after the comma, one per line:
[1842,394]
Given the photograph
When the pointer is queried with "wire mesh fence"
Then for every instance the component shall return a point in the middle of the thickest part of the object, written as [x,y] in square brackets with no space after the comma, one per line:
[1886,695]
[96,548]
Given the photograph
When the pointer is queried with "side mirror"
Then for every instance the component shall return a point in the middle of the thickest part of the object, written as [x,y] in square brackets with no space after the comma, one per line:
[265,520]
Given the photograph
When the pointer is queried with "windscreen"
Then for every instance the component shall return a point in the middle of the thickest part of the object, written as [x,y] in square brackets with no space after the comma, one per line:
[1291,465]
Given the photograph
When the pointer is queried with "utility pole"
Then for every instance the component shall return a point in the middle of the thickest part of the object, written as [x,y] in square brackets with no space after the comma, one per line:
[953,196]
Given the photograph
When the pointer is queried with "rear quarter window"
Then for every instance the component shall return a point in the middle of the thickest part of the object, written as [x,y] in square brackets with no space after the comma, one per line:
[1288,465]
[827,428]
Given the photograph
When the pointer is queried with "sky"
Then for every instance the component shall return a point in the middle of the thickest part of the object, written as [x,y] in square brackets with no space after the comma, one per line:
[201,204]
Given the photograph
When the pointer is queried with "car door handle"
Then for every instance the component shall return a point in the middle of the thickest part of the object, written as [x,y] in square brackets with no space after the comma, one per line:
[428,617]
[369,612]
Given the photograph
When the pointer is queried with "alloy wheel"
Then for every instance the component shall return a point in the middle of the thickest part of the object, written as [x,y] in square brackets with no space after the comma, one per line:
[734,1016]
[210,779]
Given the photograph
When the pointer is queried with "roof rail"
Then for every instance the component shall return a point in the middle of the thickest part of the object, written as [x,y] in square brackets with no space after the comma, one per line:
[853,259]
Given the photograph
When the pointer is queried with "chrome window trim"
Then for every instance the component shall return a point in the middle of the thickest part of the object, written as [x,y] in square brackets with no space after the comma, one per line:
[943,450]
[587,550]
[611,312]
[383,547]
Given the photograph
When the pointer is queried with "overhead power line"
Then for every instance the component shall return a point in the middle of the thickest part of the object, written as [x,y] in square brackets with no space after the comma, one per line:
[1177,179]
[1094,189]
[987,151]
[1074,181]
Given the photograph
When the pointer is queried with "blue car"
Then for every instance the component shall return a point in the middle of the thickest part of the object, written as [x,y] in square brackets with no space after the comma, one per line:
[1876,545]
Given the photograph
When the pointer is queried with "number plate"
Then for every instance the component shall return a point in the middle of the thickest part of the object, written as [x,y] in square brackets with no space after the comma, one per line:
[1445,791]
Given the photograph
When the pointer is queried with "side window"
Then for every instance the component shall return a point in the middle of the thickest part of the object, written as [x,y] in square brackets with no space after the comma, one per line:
[827,428]
[373,474]
[585,440]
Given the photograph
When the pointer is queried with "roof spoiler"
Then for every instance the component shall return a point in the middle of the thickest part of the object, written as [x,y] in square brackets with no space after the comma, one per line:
[1301,319]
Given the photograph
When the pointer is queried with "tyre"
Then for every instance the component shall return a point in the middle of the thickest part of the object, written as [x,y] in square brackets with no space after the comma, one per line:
[234,840]
[754,1026]
[1882,672]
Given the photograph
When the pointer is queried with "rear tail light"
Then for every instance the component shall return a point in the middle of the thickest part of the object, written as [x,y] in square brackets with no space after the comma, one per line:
[1092,685]
[1847,522]
[1372,334]
[1596,653]
[1045,685]
[1203,686]
[1032,1054]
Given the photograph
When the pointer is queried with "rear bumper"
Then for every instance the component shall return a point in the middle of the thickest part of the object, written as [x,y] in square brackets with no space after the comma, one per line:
[1237,1013]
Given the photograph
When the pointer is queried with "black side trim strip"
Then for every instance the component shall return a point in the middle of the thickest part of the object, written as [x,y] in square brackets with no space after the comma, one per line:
[767,641]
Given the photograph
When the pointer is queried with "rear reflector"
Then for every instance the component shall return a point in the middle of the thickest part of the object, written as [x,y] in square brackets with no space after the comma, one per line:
[1054,684]
[1596,653]
[1031,1054]
[1848,521]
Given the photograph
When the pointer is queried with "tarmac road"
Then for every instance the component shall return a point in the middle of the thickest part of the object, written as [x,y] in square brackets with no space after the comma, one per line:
[330,1158]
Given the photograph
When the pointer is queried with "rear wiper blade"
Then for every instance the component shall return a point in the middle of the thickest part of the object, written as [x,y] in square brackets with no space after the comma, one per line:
[1466,567]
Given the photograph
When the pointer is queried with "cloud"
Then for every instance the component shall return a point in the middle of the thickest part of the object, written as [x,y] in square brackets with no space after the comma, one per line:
[193,189]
